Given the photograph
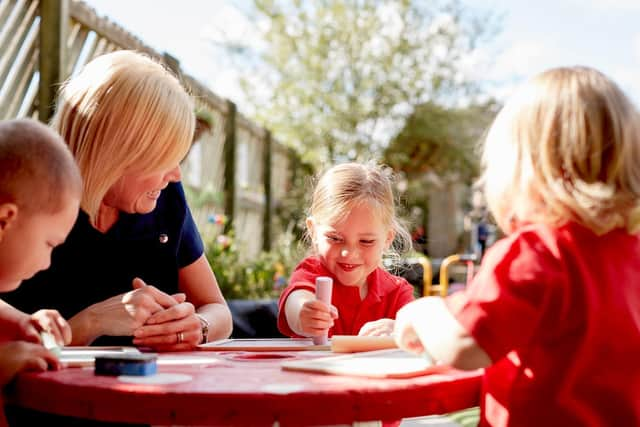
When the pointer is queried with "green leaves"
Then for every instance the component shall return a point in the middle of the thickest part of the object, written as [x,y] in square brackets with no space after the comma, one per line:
[341,74]
[442,141]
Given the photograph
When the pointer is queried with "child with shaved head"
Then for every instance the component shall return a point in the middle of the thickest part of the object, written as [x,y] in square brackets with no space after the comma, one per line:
[40,189]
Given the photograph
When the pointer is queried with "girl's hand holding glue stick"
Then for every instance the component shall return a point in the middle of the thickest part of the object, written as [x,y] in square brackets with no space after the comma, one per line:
[324,286]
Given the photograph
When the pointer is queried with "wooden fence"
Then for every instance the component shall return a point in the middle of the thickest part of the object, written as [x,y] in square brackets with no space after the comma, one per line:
[234,167]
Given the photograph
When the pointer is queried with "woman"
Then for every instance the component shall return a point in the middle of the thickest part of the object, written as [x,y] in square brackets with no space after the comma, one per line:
[134,264]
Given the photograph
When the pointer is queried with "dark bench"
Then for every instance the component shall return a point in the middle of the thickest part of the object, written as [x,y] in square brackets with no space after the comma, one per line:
[254,318]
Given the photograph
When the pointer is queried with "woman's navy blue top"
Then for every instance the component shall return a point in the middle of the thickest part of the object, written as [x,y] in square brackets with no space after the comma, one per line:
[91,266]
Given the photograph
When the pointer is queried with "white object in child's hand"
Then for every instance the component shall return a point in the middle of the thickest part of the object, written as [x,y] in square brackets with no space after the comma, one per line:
[49,342]
[324,286]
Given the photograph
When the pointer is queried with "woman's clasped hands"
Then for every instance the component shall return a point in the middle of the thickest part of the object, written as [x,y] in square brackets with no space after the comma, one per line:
[155,319]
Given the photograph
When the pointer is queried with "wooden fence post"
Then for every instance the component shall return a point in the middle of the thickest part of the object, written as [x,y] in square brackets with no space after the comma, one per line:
[230,164]
[266,222]
[54,19]
[173,63]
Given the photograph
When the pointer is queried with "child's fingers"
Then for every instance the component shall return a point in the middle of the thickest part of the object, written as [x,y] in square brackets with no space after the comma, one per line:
[62,333]
[407,339]
[51,321]
[374,332]
[60,329]
[316,318]
[36,364]
[377,328]
[40,359]
[52,360]
[316,309]
[31,332]
[65,328]
[333,310]
[316,324]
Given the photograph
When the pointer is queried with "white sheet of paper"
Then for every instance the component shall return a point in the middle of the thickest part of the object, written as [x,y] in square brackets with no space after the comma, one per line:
[74,357]
[390,363]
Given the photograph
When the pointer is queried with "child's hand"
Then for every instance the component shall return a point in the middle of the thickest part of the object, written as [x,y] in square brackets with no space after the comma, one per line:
[52,322]
[404,332]
[316,317]
[377,328]
[20,326]
[18,356]
[408,340]
[16,325]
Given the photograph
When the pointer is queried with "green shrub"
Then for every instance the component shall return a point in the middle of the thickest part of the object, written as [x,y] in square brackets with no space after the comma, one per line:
[262,277]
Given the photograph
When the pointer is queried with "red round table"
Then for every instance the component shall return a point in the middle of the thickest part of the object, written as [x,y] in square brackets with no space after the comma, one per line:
[250,389]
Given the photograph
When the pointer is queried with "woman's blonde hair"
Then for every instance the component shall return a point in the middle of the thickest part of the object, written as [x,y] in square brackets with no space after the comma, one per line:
[565,148]
[123,113]
[347,185]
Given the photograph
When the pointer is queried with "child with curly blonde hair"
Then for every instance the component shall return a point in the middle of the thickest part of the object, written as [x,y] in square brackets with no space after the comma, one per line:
[554,312]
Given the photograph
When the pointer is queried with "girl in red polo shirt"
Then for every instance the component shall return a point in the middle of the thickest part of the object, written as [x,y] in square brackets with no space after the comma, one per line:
[352,222]
[554,312]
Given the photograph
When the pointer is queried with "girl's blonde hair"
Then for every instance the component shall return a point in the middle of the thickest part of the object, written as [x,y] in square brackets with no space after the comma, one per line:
[123,113]
[347,185]
[565,148]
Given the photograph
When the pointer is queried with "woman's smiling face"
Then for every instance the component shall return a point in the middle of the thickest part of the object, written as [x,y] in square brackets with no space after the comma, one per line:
[134,193]
[352,248]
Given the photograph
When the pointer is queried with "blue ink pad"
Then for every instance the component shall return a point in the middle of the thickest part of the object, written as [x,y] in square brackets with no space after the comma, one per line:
[126,364]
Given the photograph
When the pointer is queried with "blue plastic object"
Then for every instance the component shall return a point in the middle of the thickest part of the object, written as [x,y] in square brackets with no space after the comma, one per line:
[126,364]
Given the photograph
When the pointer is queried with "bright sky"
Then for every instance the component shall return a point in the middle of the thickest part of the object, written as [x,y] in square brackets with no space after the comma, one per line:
[535,35]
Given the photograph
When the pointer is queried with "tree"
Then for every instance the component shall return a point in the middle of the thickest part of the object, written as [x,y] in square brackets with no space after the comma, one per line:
[440,141]
[438,148]
[335,79]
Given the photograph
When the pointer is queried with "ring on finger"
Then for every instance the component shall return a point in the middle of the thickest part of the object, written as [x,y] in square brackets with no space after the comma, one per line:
[180,336]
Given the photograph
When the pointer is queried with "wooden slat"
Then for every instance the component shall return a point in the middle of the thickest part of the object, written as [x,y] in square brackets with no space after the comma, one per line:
[18,30]
[76,44]
[28,106]
[12,21]
[100,48]
[5,11]
[19,66]
[89,48]
[22,84]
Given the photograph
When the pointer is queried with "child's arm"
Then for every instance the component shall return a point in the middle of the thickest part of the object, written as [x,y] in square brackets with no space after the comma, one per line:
[427,325]
[307,316]
[18,356]
[17,325]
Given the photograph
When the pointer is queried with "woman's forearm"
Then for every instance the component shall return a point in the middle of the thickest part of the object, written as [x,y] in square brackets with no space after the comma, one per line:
[218,316]
[84,327]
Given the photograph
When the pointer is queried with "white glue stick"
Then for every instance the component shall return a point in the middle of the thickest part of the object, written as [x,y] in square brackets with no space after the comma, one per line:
[324,286]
